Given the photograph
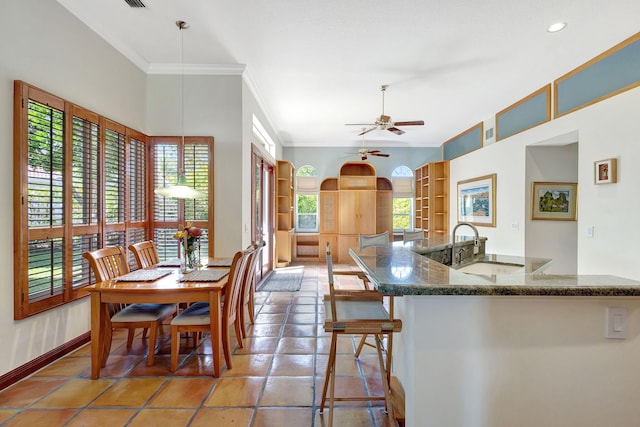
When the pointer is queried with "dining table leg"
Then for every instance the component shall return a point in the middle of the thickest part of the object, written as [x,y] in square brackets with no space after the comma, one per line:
[98,313]
[215,314]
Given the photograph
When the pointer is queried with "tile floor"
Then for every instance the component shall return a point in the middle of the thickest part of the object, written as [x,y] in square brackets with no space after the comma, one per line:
[276,379]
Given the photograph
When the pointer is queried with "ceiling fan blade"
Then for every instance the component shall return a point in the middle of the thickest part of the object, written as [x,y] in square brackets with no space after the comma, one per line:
[410,123]
[395,130]
[367,131]
[379,154]
[359,124]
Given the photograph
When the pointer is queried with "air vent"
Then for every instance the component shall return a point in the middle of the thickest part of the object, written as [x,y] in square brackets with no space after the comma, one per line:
[134,3]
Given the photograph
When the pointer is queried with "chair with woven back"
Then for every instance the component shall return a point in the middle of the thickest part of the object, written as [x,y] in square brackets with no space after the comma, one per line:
[196,317]
[146,253]
[356,312]
[109,263]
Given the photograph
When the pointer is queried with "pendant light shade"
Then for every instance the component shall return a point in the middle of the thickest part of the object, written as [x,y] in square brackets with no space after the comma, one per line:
[181,190]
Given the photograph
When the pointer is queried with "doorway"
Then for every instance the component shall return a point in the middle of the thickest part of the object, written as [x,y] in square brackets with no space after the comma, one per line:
[262,206]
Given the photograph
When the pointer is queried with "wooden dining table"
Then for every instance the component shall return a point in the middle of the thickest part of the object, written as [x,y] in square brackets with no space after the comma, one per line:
[165,290]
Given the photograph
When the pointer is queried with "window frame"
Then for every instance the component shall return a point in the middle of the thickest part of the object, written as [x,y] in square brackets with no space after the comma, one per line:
[403,172]
[75,270]
[315,193]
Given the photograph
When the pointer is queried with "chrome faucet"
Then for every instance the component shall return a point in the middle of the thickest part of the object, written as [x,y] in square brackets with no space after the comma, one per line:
[476,243]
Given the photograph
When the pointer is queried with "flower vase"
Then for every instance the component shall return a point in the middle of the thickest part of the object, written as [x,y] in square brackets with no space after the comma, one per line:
[191,259]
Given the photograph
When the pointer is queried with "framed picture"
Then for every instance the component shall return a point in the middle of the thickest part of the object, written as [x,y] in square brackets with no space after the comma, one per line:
[477,200]
[554,201]
[605,171]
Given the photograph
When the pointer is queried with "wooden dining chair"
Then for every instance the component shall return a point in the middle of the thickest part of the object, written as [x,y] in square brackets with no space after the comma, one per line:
[146,253]
[356,312]
[247,304]
[109,263]
[196,317]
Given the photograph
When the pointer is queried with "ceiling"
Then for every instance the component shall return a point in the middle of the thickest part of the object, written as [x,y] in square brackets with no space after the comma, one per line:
[316,65]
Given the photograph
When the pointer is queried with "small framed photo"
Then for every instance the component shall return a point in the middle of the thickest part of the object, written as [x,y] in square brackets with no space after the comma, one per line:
[477,200]
[606,171]
[554,201]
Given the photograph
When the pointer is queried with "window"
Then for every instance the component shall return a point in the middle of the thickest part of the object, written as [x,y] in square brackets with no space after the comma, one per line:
[71,195]
[402,179]
[261,134]
[193,157]
[307,199]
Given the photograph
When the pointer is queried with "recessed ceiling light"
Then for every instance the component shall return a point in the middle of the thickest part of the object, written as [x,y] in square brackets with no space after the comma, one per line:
[558,26]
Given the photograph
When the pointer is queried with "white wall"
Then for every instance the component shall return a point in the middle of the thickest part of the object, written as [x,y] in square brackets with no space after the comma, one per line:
[557,240]
[328,160]
[212,107]
[606,129]
[45,46]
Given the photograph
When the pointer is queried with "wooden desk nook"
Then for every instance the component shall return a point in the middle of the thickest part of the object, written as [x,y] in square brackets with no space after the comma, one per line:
[167,289]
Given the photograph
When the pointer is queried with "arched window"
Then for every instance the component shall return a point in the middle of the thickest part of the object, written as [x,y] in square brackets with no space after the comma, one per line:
[307,199]
[402,179]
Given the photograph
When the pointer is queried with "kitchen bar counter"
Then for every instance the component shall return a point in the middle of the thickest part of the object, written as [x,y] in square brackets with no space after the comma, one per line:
[525,349]
[399,270]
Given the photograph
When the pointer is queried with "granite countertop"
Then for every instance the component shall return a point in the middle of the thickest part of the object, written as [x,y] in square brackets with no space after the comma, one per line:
[398,270]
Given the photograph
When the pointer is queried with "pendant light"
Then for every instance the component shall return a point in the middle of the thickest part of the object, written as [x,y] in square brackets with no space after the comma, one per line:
[181,190]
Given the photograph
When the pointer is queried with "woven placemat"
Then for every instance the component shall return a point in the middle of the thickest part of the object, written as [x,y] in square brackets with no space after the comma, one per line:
[204,275]
[173,262]
[219,262]
[142,276]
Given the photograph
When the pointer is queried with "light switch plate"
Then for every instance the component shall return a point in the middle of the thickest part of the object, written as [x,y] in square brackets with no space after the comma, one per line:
[616,323]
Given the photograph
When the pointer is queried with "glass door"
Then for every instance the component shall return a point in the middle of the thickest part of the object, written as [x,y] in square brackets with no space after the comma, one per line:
[263,209]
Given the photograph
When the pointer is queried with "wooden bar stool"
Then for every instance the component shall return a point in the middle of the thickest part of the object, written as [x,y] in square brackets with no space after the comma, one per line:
[349,312]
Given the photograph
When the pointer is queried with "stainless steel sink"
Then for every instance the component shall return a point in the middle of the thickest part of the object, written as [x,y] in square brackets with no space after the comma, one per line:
[491,268]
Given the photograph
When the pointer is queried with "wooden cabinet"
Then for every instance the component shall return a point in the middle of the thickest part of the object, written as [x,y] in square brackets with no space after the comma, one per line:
[284,212]
[356,202]
[357,212]
[432,198]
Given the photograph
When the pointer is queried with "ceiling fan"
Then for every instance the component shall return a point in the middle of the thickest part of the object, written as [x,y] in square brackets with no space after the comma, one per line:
[365,152]
[384,122]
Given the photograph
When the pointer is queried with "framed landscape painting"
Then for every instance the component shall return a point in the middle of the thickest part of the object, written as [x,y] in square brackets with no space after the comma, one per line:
[554,201]
[477,201]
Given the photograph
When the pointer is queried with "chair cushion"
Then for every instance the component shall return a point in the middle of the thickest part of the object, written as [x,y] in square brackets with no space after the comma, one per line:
[143,312]
[195,314]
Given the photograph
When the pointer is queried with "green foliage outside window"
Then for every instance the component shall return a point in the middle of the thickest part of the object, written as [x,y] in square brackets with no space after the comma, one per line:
[401,213]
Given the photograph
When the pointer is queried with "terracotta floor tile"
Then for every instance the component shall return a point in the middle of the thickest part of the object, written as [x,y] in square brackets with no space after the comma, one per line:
[249,365]
[352,417]
[293,330]
[182,393]
[270,318]
[117,366]
[345,386]
[297,345]
[75,393]
[288,391]
[224,417]
[232,391]
[275,308]
[66,367]
[130,392]
[196,365]
[26,392]
[255,345]
[102,418]
[292,365]
[265,330]
[303,308]
[304,318]
[41,418]
[162,417]
[5,414]
[270,417]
